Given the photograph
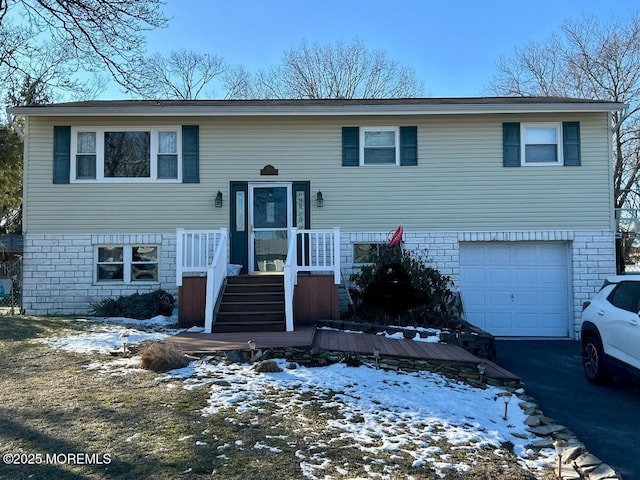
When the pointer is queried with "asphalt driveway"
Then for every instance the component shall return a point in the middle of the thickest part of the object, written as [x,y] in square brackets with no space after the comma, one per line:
[605,419]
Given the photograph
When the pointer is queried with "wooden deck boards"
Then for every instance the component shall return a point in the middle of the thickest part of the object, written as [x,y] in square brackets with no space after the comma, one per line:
[366,343]
[336,341]
[211,342]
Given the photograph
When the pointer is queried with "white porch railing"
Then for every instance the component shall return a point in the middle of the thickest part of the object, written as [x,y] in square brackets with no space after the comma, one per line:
[627,222]
[216,273]
[203,251]
[195,250]
[309,251]
[206,251]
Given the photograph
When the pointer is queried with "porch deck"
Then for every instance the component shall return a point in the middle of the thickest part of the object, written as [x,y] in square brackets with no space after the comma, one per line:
[337,341]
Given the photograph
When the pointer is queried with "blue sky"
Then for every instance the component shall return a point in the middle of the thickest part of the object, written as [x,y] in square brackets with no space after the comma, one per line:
[452,45]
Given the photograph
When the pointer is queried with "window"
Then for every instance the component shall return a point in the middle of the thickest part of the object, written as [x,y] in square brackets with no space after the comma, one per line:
[365,252]
[108,154]
[626,296]
[86,156]
[541,144]
[379,146]
[127,263]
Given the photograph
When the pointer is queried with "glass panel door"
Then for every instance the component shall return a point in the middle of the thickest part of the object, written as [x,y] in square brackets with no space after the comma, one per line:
[270,219]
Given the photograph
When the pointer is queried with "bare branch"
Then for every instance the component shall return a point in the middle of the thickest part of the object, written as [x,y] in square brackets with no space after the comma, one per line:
[183,75]
[336,71]
[589,59]
[97,33]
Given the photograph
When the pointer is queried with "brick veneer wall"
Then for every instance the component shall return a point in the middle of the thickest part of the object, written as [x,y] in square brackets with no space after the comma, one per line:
[592,254]
[58,269]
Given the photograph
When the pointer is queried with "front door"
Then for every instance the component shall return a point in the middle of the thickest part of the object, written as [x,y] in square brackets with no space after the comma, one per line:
[270,218]
[260,214]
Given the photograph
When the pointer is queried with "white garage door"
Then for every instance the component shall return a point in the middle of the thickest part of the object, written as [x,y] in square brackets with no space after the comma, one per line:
[516,289]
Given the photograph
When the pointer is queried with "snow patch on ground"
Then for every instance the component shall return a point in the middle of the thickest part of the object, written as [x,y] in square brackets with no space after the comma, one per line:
[381,412]
[389,417]
[107,334]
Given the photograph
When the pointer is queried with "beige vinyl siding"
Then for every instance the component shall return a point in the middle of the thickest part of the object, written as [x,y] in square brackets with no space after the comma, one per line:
[458,185]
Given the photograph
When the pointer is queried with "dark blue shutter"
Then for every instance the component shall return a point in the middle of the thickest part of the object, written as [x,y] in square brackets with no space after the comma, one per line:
[571,143]
[350,146]
[511,144]
[61,154]
[408,146]
[190,154]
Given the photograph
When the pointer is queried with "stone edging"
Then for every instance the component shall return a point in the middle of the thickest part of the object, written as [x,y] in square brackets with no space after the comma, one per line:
[577,462]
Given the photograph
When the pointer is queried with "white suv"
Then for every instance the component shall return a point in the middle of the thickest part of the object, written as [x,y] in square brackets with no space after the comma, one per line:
[610,331]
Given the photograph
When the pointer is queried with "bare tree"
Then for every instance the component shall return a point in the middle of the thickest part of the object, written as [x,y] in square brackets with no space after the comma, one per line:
[182,75]
[95,33]
[336,71]
[588,59]
[238,83]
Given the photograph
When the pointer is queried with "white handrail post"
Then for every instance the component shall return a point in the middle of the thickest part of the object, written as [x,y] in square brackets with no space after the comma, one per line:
[290,278]
[208,304]
[336,255]
[179,255]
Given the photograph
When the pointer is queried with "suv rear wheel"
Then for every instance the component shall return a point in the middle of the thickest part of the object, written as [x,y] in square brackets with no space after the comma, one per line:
[593,361]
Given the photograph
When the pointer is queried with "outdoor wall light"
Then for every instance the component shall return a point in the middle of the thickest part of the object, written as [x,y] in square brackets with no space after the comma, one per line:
[218,200]
[319,199]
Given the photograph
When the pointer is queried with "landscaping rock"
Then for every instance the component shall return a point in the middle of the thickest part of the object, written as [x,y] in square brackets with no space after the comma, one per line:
[546,430]
[569,473]
[236,356]
[587,460]
[603,472]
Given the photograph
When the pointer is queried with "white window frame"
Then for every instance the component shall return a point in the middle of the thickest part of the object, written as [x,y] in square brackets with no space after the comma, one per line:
[523,147]
[153,153]
[127,261]
[364,130]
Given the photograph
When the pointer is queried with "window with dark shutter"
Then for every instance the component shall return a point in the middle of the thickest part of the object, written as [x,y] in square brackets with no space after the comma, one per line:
[350,146]
[511,144]
[408,146]
[61,154]
[379,146]
[571,143]
[190,154]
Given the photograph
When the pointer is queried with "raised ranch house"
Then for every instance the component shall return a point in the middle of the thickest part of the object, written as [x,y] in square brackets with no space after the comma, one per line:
[511,197]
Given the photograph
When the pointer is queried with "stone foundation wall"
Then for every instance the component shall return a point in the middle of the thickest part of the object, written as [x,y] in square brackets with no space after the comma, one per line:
[591,258]
[59,269]
[58,272]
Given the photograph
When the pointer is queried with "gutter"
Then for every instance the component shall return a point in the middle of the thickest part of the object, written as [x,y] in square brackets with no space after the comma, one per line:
[160,109]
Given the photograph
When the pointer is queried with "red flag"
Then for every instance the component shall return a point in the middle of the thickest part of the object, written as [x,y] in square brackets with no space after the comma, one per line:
[396,239]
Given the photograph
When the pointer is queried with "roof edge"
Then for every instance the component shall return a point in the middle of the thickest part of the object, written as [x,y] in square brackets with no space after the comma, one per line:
[404,106]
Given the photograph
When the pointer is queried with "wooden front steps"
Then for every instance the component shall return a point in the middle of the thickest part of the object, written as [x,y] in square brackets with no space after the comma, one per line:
[251,303]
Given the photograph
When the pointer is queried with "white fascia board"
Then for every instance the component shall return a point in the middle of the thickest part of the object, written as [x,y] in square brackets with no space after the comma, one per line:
[311,110]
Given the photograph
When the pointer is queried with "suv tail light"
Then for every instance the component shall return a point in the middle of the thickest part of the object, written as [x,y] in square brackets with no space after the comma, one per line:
[585,304]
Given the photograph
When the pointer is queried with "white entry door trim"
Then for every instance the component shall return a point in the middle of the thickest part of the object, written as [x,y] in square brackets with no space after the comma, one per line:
[269,225]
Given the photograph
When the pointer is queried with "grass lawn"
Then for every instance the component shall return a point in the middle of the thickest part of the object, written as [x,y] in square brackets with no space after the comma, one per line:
[68,421]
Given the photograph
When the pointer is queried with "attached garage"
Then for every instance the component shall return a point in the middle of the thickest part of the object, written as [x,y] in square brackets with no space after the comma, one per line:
[516,288]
